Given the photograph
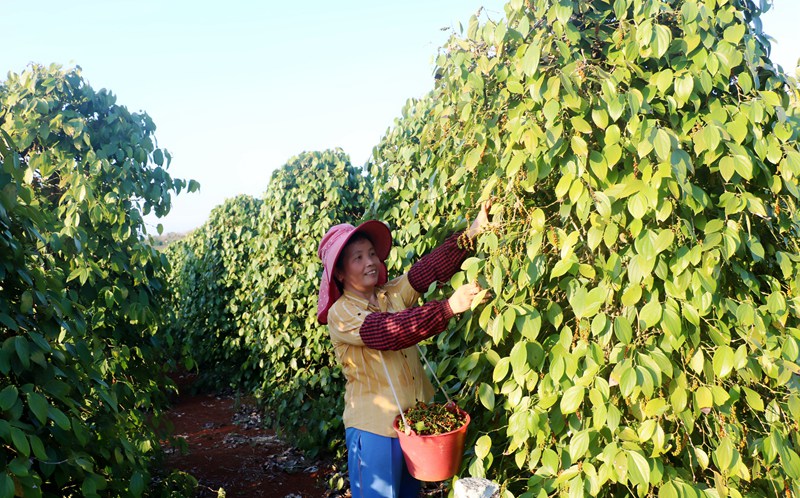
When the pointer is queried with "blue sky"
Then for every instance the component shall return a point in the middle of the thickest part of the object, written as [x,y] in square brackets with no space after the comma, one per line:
[238,87]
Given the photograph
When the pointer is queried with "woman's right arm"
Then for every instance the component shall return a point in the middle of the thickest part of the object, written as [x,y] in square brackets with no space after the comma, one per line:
[403,329]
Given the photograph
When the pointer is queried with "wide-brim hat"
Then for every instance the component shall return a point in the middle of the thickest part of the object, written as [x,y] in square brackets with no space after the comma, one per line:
[330,247]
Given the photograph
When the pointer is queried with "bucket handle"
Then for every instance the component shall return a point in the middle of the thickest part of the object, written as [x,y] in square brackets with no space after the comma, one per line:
[397,400]
[430,369]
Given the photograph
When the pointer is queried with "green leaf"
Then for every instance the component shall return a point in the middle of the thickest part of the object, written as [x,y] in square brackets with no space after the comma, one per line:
[623,330]
[600,118]
[738,128]
[9,322]
[486,395]
[631,295]
[662,40]
[482,446]
[8,397]
[637,205]
[587,304]
[137,484]
[551,109]
[663,241]
[753,399]
[712,136]
[790,462]
[519,359]
[724,454]
[651,314]
[678,399]
[580,125]
[646,430]
[727,168]
[792,162]
[26,302]
[603,204]
[664,80]
[563,11]
[562,267]
[794,406]
[734,34]
[579,445]
[579,146]
[572,399]
[627,381]
[38,448]
[668,491]
[743,165]
[530,61]
[702,458]
[662,145]
[638,469]
[39,406]
[550,461]
[756,249]
[20,441]
[620,9]
[723,361]
[514,86]
[23,350]
[655,407]
[19,466]
[6,486]
[59,418]
[501,370]
[683,87]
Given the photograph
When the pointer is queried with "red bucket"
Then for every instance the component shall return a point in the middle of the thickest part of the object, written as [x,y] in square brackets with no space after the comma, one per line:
[436,457]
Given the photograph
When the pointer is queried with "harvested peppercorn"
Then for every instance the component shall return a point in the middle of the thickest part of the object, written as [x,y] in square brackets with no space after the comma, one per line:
[427,419]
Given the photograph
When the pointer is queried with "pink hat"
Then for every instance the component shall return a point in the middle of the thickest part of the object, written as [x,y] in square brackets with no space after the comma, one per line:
[331,246]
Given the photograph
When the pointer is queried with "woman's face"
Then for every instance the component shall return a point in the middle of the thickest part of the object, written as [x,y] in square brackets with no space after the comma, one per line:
[359,269]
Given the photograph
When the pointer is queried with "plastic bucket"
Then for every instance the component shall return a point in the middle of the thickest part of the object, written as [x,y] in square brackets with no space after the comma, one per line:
[436,457]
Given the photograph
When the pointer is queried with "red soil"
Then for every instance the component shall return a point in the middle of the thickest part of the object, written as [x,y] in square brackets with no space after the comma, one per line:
[229,450]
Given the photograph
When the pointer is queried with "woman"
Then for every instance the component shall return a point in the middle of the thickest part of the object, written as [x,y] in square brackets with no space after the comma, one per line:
[374,325]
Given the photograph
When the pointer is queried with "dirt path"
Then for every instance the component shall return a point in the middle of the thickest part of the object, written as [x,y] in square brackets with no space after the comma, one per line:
[228,449]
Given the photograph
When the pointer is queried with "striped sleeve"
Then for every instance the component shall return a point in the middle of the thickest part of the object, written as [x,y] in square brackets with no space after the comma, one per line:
[396,331]
[439,265]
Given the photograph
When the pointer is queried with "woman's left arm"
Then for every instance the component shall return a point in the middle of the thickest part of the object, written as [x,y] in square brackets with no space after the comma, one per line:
[438,265]
[443,262]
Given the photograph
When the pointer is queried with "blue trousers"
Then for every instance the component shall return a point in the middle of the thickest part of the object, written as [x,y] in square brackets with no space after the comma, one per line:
[377,468]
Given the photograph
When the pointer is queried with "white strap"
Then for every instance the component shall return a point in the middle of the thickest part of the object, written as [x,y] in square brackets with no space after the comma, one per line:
[434,374]
[391,384]
[396,399]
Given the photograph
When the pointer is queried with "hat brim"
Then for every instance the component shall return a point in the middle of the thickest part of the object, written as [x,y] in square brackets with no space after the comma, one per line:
[378,233]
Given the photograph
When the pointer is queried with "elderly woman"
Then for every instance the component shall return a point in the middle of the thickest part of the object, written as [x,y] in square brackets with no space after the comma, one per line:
[374,325]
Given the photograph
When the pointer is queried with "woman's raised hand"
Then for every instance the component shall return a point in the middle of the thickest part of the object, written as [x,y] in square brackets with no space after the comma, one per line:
[461,300]
[481,221]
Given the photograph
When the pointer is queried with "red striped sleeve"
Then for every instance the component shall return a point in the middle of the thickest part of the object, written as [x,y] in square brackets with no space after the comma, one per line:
[439,265]
[396,331]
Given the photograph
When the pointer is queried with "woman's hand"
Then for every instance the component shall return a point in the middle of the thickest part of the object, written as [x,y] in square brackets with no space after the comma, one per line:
[461,300]
[481,221]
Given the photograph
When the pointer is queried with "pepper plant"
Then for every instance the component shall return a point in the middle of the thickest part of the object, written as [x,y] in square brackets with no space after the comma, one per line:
[82,387]
[245,289]
[300,383]
[207,294]
[642,335]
